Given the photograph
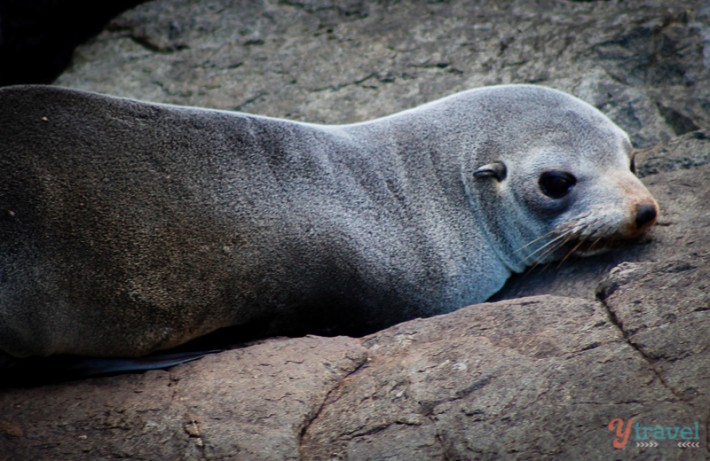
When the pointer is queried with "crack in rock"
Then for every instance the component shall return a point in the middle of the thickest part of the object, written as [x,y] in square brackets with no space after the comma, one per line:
[626,335]
[240,107]
[326,400]
[340,86]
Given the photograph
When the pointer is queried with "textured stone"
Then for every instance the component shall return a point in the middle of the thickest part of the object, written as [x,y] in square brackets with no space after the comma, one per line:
[527,379]
[538,374]
[341,62]
[248,403]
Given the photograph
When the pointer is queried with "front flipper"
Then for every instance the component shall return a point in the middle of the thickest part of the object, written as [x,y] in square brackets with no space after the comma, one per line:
[47,370]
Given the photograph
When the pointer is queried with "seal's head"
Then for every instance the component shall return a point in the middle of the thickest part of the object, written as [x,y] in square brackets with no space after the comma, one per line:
[567,174]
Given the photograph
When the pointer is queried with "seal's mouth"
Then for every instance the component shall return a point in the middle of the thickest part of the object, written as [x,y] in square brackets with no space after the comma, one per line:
[582,237]
[584,247]
[586,237]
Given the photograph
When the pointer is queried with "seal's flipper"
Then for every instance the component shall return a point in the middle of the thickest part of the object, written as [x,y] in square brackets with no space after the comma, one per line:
[49,370]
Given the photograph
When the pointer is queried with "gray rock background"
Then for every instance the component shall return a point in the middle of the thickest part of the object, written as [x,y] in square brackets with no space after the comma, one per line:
[537,374]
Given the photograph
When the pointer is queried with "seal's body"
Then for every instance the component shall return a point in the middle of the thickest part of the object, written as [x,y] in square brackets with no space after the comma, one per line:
[127,227]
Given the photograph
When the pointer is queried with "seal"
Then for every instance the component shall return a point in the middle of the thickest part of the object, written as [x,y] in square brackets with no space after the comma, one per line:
[128,227]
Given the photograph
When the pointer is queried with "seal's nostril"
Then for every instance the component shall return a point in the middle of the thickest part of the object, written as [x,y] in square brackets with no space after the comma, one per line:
[645,214]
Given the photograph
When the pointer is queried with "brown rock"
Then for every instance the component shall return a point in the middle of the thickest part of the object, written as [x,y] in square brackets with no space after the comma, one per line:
[529,379]
[624,335]
[249,403]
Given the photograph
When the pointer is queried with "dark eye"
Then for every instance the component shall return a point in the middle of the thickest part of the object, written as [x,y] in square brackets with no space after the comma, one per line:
[633,164]
[556,184]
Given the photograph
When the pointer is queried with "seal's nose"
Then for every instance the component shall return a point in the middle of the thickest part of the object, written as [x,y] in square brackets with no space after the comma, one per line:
[645,215]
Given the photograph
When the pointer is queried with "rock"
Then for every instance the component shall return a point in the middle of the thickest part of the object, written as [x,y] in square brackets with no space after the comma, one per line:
[320,61]
[652,303]
[684,152]
[524,379]
[253,403]
[541,372]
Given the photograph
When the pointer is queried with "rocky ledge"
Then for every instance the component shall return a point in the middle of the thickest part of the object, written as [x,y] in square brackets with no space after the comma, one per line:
[555,368]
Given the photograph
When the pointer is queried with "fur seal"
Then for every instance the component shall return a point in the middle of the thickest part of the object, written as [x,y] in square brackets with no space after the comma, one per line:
[128,227]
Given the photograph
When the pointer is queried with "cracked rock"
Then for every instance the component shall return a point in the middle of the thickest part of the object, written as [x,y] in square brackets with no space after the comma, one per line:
[506,378]
[540,372]
[663,309]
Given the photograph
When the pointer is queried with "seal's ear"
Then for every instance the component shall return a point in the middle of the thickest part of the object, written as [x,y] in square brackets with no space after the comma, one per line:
[496,170]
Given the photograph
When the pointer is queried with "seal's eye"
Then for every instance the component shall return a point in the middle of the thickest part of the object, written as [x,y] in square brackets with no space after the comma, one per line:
[556,184]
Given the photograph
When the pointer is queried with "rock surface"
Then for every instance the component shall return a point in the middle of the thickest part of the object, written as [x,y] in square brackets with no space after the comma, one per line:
[537,374]
[337,62]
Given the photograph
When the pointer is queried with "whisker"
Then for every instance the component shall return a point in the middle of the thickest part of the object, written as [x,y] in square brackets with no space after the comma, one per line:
[570,253]
[555,245]
[595,242]
[535,240]
[584,233]
[551,242]
[550,250]
[577,233]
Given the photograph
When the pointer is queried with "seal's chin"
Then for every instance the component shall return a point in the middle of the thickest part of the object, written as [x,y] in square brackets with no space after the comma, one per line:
[591,247]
